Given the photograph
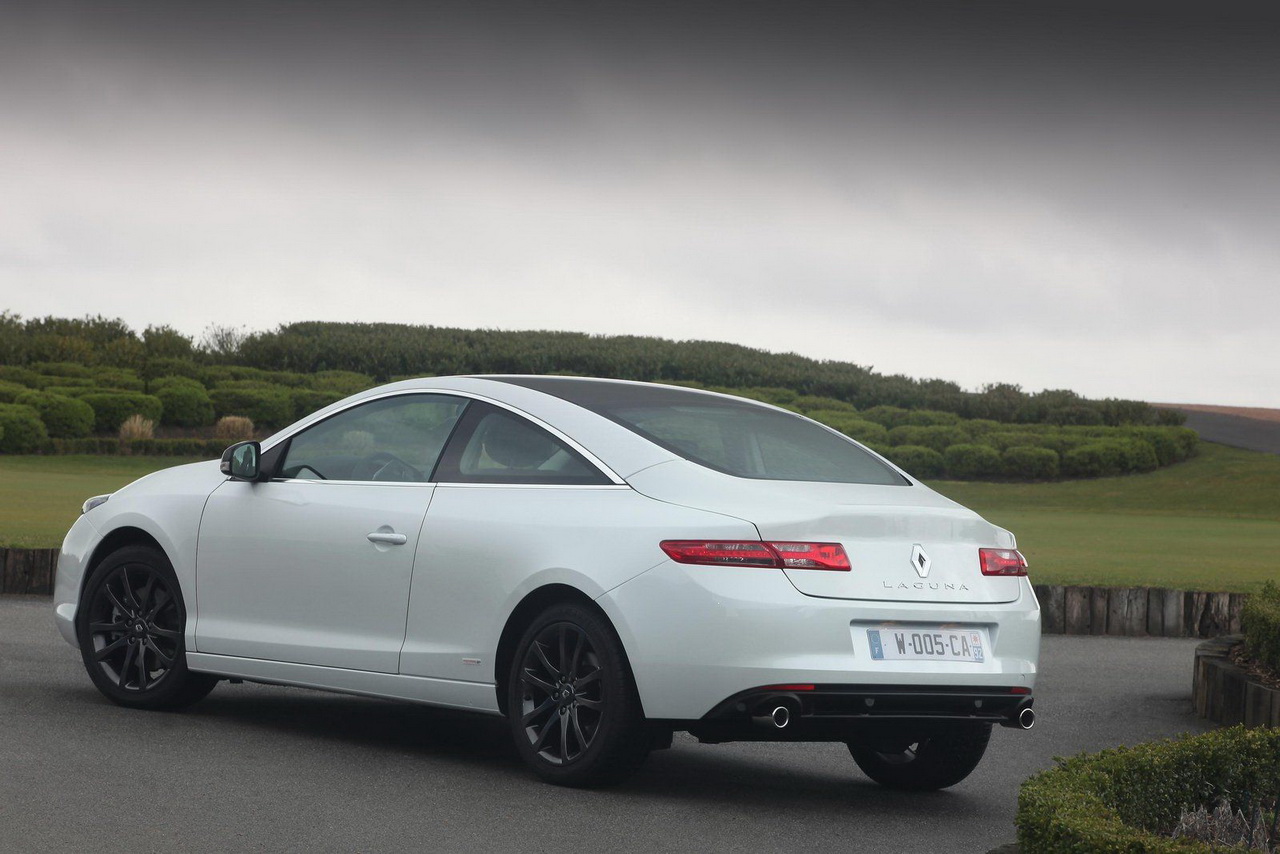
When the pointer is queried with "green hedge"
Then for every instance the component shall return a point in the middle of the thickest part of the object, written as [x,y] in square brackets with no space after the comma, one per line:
[203,448]
[21,430]
[938,437]
[63,417]
[1028,463]
[1130,798]
[1261,624]
[186,404]
[972,462]
[917,460]
[1107,457]
[111,409]
[9,391]
[266,407]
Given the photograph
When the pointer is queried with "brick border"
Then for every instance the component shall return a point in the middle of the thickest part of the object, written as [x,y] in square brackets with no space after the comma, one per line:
[1227,695]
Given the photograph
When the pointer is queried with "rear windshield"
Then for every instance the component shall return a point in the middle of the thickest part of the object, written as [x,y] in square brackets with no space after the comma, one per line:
[730,435]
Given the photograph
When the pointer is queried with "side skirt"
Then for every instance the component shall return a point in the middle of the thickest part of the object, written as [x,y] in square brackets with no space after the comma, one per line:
[472,696]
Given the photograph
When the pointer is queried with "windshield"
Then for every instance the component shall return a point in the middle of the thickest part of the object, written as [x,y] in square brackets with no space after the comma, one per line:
[731,435]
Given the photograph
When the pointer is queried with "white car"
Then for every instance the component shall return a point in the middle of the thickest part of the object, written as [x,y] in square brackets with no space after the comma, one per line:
[602,562]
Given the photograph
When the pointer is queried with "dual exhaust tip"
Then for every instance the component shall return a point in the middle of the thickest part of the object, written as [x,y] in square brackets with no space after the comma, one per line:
[780,717]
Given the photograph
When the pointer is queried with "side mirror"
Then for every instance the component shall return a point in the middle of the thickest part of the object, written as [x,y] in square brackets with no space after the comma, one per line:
[241,461]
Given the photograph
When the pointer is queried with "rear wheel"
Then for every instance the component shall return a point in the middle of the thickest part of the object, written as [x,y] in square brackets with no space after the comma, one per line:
[131,624]
[571,702]
[929,757]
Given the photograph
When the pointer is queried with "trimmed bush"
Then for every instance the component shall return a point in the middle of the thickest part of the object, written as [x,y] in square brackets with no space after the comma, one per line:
[930,418]
[21,376]
[186,404]
[63,417]
[889,416]
[1030,463]
[812,403]
[265,406]
[202,448]
[1109,457]
[1131,798]
[349,382]
[970,462]
[9,391]
[975,427]
[1261,624]
[938,438]
[916,460]
[118,378]
[306,400]
[170,366]
[23,431]
[61,369]
[1005,439]
[112,408]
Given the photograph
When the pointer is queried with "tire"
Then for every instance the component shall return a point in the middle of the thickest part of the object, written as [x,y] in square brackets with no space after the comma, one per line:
[131,625]
[572,704]
[931,757]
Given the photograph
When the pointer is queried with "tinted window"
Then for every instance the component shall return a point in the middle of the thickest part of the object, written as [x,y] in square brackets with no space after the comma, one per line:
[497,446]
[731,435]
[392,439]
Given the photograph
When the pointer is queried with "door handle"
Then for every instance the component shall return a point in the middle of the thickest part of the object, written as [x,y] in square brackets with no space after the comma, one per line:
[391,538]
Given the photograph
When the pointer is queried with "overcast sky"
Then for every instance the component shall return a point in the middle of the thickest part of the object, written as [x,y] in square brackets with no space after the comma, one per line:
[1055,196]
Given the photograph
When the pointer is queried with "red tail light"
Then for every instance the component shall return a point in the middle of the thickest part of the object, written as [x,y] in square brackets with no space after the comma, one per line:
[754,553]
[1002,562]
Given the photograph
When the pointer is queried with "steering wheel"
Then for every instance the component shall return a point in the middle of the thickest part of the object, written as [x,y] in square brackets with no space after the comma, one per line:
[381,463]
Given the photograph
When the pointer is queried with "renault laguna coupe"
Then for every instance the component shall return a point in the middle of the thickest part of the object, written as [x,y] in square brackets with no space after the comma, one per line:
[603,563]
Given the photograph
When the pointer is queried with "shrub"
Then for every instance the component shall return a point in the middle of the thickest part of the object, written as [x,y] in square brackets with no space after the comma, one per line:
[975,427]
[63,417]
[811,403]
[170,366]
[306,400]
[1132,798]
[866,432]
[1077,414]
[938,438]
[60,369]
[930,418]
[969,462]
[889,416]
[21,376]
[112,408]
[349,382]
[137,427]
[186,404]
[1004,439]
[916,460]
[1261,624]
[23,431]
[1108,457]
[233,428]
[118,378]
[1030,463]
[269,406]
[9,391]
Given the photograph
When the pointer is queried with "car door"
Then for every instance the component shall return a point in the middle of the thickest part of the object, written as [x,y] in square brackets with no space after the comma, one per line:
[314,565]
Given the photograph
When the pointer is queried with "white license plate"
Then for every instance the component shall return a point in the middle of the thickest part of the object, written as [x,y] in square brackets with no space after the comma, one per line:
[928,643]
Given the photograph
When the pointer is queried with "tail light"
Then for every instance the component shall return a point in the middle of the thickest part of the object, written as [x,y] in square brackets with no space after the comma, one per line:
[1002,562]
[779,555]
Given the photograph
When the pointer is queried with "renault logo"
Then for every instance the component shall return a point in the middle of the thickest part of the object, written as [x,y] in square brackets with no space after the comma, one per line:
[920,561]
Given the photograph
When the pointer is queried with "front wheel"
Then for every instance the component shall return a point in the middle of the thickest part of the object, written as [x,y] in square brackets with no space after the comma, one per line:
[931,757]
[131,625]
[571,701]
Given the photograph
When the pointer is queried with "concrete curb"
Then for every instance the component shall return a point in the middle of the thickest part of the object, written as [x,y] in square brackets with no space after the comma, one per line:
[1225,694]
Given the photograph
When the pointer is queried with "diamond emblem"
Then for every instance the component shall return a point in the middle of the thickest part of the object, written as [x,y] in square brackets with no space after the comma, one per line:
[920,561]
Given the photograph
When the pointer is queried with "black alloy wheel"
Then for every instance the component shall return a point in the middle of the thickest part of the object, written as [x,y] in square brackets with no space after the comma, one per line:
[935,757]
[573,708]
[130,624]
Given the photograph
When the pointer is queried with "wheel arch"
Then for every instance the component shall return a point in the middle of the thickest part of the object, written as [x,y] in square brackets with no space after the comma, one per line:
[534,603]
[126,535]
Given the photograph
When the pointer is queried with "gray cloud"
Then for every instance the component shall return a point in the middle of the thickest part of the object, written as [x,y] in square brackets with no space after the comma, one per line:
[1057,196]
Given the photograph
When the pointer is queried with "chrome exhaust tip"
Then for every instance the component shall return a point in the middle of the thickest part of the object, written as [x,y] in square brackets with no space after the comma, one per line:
[1027,718]
[780,716]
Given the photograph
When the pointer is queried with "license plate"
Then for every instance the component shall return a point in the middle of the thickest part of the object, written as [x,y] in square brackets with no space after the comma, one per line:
[928,644]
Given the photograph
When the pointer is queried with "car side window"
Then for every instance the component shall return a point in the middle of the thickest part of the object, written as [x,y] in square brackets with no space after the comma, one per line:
[393,439]
[497,446]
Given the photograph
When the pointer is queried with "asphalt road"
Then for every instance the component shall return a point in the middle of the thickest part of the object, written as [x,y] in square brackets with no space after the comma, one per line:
[257,768]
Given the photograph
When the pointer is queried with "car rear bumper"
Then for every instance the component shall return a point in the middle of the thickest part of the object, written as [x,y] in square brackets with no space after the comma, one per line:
[696,635]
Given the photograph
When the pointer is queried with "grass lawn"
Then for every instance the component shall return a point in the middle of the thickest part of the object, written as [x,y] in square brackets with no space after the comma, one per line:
[1211,523]
[41,496]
